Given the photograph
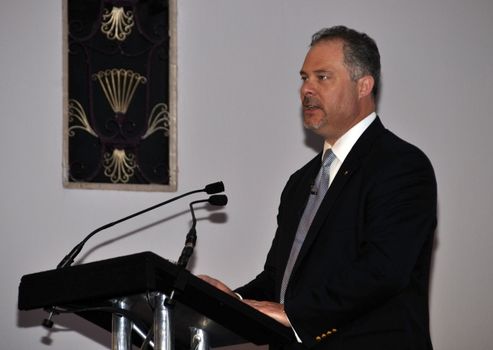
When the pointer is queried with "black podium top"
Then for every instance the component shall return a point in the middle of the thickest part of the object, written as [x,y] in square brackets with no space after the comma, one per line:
[227,320]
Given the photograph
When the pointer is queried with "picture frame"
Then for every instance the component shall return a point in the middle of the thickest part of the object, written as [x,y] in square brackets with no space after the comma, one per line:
[120,95]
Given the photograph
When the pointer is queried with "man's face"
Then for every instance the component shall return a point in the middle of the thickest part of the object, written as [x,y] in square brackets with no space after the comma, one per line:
[330,101]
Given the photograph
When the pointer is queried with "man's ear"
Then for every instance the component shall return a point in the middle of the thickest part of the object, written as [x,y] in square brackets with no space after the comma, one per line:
[365,85]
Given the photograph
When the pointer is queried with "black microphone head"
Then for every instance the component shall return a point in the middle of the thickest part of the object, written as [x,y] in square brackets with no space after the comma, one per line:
[215,187]
[218,199]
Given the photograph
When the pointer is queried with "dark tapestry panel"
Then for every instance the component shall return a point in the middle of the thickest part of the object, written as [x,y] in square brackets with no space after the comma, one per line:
[120,82]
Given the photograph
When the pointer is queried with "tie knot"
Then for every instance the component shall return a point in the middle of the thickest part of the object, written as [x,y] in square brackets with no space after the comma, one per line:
[328,158]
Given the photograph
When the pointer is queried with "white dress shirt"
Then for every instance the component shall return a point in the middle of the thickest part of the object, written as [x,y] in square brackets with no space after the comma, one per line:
[344,144]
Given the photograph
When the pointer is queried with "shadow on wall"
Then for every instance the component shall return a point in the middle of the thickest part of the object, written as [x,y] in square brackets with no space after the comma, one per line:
[211,215]
[76,324]
[64,323]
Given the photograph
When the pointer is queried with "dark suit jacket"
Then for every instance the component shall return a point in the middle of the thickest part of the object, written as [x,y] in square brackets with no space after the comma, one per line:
[361,278]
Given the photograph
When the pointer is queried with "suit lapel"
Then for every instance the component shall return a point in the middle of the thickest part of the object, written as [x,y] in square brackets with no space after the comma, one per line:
[350,165]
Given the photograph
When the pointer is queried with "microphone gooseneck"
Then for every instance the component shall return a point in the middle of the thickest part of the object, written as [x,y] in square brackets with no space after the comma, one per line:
[215,187]
[212,188]
[191,238]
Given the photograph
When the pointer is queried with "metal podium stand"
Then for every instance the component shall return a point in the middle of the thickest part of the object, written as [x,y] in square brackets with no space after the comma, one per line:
[128,296]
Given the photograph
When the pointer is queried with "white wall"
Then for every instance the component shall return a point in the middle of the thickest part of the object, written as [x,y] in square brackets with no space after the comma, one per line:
[239,121]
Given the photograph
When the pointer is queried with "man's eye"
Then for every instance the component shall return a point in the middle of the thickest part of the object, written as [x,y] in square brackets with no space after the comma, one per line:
[303,78]
[323,77]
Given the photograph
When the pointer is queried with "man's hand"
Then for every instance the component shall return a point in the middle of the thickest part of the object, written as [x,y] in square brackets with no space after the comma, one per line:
[271,309]
[218,284]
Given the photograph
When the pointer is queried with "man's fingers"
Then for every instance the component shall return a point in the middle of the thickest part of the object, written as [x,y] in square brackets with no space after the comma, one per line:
[218,284]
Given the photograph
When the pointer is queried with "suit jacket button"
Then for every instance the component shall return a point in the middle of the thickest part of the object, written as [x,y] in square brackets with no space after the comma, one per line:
[318,339]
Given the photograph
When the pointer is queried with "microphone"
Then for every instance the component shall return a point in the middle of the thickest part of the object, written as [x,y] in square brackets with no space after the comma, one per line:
[191,238]
[218,200]
[212,188]
[313,188]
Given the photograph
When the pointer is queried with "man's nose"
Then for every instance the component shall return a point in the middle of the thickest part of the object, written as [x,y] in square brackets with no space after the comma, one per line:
[307,88]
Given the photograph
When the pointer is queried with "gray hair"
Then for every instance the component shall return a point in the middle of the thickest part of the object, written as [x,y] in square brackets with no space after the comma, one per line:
[361,55]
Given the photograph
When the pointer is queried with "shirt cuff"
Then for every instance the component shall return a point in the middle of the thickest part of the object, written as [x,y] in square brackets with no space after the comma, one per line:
[294,331]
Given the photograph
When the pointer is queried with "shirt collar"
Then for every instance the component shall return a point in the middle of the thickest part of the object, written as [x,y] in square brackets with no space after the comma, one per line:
[344,144]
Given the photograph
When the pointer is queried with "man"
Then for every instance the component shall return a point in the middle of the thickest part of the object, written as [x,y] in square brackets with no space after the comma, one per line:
[349,268]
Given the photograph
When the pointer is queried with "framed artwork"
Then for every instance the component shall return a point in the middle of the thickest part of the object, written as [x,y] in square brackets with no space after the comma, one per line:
[120,94]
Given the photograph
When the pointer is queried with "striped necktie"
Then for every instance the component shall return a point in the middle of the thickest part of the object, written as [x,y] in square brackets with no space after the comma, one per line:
[316,197]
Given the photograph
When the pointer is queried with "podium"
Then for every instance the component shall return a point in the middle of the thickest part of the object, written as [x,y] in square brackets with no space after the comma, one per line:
[129,296]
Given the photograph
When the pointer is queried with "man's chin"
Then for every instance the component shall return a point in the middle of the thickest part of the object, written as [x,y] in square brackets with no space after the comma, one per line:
[311,124]
[314,120]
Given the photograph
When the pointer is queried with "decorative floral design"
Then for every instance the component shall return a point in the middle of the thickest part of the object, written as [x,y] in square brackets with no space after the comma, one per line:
[158,120]
[119,87]
[78,119]
[117,24]
[119,166]
[121,95]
